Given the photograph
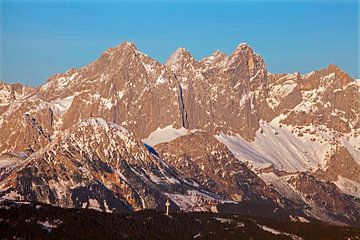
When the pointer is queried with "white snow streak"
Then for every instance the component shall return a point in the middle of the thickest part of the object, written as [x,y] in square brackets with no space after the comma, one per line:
[166,134]
[278,146]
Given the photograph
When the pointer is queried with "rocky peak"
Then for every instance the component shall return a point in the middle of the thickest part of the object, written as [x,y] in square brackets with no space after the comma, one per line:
[181,59]
[122,64]
[14,91]
[125,47]
[331,77]
[219,54]
[217,59]
[243,46]
[179,54]
[333,68]
[244,54]
[117,55]
[343,78]
[247,68]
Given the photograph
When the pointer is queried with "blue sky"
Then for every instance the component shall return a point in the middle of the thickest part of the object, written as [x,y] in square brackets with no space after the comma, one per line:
[41,38]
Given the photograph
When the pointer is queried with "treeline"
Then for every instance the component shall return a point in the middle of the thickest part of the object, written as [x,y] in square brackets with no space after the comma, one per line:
[39,221]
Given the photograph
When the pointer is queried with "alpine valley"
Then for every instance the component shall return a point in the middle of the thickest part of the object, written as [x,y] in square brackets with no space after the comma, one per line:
[223,135]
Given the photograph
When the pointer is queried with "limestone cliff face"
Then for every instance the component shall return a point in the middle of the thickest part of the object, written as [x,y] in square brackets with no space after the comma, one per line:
[328,97]
[21,133]
[217,94]
[123,86]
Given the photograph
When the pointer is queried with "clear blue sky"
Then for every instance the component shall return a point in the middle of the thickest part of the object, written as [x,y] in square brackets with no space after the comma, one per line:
[41,38]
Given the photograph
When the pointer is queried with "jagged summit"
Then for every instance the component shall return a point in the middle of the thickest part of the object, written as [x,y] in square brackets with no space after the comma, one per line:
[214,59]
[179,57]
[243,45]
[218,53]
[333,67]
[181,50]
[331,76]
[243,52]
[123,46]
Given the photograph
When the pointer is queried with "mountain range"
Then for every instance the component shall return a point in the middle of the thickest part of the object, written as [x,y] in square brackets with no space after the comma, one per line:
[126,133]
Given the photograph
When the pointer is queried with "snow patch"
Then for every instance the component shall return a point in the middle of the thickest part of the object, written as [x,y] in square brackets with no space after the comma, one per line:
[94,204]
[149,68]
[161,80]
[224,220]
[279,91]
[278,146]
[284,89]
[12,195]
[166,134]
[60,106]
[277,232]
[309,100]
[49,226]
[302,219]
[193,200]
[7,162]
[271,230]
[348,186]
[352,144]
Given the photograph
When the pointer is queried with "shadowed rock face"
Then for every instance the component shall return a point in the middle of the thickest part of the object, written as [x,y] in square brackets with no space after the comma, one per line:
[201,157]
[341,163]
[99,165]
[58,135]
[327,197]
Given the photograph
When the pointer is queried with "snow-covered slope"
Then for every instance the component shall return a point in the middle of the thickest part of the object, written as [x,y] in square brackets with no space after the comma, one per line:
[280,145]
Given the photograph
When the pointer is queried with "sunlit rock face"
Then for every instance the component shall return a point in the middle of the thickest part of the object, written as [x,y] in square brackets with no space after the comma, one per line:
[218,130]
